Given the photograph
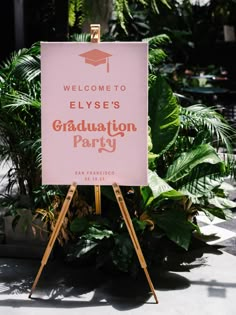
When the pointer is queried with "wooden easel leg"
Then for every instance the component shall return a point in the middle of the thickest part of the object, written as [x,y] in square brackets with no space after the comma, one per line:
[133,236]
[54,234]
[97,190]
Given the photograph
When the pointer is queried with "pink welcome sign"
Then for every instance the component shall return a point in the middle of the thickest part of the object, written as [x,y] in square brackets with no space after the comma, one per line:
[94,113]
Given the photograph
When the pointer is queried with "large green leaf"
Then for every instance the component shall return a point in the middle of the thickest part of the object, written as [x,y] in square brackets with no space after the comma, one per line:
[158,189]
[176,226]
[79,225]
[201,180]
[151,156]
[123,251]
[157,184]
[96,234]
[187,161]
[212,212]
[222,203]
[164,115]
[83,247]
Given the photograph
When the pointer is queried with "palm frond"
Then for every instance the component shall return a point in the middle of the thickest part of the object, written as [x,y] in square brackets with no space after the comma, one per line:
[198,116]
[20,68]
[21,100]
[10,63]
[20,116]
[84,37]
[157,41]
[38,152]
[27,68]
[34,50]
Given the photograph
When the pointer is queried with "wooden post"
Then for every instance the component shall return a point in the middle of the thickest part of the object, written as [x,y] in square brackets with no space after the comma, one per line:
[133,236]
[55,233]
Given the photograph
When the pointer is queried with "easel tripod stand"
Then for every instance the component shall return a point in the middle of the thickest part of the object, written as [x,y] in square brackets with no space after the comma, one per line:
[95,38]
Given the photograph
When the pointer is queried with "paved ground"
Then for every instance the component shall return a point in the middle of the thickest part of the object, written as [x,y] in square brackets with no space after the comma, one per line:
[207,286]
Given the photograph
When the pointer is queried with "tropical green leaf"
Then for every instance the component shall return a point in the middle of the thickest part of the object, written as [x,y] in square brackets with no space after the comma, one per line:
[157,41]
[202,180]
[139,225]
[84,247]
[225,186]
[76,12]
[84,37]
[157,57]
[158,189]
[121,7]
[201,117]
[28,67]
[71,13]
[146,194]
[157,184]
[151,156]
[122,252]
[165,2]
[149,139]
[222,203]
[176,226]
[93,233]
[212,212]
[187,161]
[164,115]
[10,63]
[151,160]
[79,225]
[21,100]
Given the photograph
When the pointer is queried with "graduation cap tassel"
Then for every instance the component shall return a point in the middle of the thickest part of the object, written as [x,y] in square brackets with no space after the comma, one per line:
[108,65]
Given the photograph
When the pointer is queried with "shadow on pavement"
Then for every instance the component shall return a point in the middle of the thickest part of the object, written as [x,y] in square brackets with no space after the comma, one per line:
[65,286]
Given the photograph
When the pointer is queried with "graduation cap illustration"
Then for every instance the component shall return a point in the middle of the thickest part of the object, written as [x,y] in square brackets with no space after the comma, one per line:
[97,57]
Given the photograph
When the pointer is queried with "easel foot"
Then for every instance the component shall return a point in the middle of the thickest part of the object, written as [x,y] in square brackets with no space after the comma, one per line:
[150,284]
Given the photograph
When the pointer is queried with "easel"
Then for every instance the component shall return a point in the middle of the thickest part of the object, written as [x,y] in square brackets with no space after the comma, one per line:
[95,38]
